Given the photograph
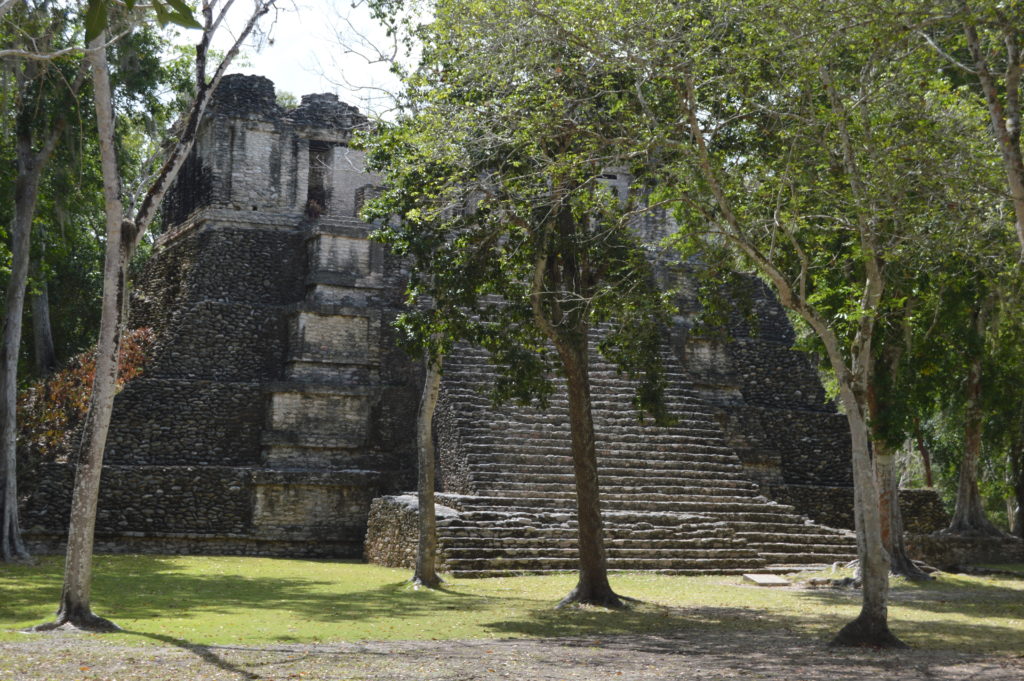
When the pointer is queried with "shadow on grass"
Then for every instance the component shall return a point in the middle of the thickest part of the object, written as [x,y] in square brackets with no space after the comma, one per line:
[151,587]
[646,619]
[977,617]
[148,588]
[204,652]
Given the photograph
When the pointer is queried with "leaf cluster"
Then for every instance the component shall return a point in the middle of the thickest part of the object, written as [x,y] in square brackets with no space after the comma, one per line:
[513,190]
[52,411]
[178,12]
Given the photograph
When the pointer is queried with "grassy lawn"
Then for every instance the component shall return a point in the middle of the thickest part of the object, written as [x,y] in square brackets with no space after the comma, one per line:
[229,600]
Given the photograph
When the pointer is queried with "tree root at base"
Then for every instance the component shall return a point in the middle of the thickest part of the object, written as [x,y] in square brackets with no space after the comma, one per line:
[603,598]
[865,632]
[418,582]
[83,622]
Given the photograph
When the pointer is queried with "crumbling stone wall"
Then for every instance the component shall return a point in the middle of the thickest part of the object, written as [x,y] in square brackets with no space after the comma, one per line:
[255,428]
[277,403]
[393,534]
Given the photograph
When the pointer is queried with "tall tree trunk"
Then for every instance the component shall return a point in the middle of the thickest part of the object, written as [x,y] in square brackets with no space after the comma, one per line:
[26,192]
[926,456]
[1016,457]
[593,587]
[871,627]
[1004,112]
[969,515]
[426,555]
[42,331]
[900,562]
[122,238]
[75,602]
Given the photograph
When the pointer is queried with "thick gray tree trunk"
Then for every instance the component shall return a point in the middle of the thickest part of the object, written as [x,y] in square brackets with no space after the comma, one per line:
[426,554]
[969,514]
[871,627]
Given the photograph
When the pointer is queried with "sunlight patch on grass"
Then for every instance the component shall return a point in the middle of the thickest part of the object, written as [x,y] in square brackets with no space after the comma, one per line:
[234,600]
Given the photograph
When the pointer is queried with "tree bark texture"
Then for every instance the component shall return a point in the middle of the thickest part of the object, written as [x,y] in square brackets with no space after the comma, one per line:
[593,587]
[1017,471]
[969,514]
[900,562]
[426,554]
[44,351]
[26,192]
[75,601]
[871,627]
[122,237]
[1004,112]
[926,456]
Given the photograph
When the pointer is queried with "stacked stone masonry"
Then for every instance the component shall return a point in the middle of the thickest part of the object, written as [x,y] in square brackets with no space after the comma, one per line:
[276,405]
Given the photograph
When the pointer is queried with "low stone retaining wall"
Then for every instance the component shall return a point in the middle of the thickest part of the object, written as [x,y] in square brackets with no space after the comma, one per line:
[922,509]
[393,533]
[948,552]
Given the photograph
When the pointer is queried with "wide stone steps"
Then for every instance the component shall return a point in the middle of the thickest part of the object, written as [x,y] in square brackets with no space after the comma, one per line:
[472,536]
[623,476]
[611,492]
[494,467]
[696,503]
[704,564]
[651,485]
[609,443]
[703,458]
[674,498]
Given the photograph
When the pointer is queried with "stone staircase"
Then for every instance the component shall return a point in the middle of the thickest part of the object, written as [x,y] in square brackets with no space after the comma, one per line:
[674,499]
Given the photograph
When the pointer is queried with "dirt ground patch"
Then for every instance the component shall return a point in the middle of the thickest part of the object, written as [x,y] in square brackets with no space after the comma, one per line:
[698,655]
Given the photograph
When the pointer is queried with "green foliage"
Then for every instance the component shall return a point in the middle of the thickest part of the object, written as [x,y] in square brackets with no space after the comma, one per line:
[177,12]
[151,83]
[496,174]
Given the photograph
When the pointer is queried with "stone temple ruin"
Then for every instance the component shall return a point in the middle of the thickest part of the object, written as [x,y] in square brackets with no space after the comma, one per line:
[276,415]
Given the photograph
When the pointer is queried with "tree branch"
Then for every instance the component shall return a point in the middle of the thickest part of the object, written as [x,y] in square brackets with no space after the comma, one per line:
[183,147]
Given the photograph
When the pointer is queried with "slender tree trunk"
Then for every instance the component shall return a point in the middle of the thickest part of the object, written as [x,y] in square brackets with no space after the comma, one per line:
[122,237]
[1017,517]
[900,562]
[30,166]
[926,457]
[871,627]
[75,602]
[1004,112]
[593,587]
[1017,478]
[426,555]
[25,194]
[969,515]
[42,331]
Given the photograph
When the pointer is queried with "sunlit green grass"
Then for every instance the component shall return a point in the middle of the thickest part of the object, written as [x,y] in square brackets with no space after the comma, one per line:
[228,600]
